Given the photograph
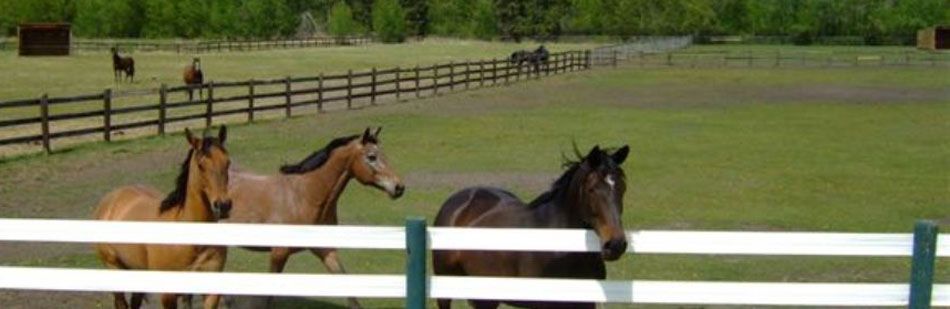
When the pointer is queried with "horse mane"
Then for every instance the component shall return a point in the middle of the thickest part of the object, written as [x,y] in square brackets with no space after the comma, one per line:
[561,185]
[320,157]
[177,197]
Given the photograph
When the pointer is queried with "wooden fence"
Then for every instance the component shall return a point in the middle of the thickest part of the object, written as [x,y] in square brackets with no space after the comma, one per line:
[250,98]
[206,46]
[785,59]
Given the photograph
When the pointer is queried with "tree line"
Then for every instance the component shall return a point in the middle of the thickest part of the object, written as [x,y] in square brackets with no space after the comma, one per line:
[875,21]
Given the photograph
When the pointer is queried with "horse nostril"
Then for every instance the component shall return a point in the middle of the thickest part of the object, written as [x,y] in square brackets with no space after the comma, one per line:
[400,189]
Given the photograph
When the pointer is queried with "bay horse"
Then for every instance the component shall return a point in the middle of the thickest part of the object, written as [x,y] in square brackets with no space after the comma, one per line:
[122,64]
[308,192]
[589,195]
[200,195]
[194,77]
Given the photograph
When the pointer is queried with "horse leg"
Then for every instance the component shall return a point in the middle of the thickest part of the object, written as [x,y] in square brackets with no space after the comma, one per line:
[186,299]
[191,93]
[483,304]
[137,300]
[169,301]
[444,303]
[211,301]
[332,261]
[120,300]
[278,258]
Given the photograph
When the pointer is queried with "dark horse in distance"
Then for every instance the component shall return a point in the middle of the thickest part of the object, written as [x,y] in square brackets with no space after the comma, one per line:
[589,195]
[194,77]
[122,64]
[535,58]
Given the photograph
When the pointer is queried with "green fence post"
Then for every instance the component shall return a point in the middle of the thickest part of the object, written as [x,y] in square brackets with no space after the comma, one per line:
[922,264]
[416,247]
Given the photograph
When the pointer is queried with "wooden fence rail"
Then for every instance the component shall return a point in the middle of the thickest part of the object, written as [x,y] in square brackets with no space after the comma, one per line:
[264,95]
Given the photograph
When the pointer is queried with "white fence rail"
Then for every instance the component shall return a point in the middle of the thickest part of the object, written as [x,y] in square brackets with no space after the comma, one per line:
[394,286]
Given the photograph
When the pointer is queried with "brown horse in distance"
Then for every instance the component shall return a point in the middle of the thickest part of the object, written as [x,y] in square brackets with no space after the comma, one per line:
[308,192]
[589,195]
[200,195]
[194,77]
[122,64]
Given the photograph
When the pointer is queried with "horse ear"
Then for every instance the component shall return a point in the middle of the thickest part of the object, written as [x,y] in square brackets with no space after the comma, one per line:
[366,137]
[376,135]
[194,141]
[222,134]
[621,154]
[594,156]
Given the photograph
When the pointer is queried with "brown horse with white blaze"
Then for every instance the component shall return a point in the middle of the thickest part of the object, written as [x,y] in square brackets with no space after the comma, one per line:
[200,195]
[194,77]
[308,192]
[589,195]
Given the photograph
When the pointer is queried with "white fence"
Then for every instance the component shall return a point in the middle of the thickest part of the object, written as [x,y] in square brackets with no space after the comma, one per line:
[394,286]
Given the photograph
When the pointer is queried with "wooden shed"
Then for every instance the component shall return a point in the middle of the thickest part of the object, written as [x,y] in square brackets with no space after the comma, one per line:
[47,39]
[934,38]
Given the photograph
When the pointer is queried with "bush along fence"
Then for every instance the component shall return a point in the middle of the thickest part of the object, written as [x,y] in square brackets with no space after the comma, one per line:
[417,287]
[217,102]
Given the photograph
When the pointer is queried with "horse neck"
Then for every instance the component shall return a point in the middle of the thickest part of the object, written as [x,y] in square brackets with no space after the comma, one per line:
[195,207]
[322,187]
[561,210]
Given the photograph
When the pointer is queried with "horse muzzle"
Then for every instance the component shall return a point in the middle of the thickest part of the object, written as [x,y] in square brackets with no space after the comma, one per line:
[397,191]
[613,249]
[221,209]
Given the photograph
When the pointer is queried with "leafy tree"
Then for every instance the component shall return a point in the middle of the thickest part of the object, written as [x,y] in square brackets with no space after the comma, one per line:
[417,16]
[389,21]
[340,22]
[484,23]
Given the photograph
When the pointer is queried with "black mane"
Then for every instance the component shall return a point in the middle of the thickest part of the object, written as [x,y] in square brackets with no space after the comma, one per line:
[177,197]
[561,185]
[320,157]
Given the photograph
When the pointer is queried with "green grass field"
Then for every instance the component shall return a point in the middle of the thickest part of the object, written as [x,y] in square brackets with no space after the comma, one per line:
[790,149]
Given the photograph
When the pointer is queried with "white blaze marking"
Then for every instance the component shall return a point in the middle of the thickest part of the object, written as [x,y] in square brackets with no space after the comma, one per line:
[610,181]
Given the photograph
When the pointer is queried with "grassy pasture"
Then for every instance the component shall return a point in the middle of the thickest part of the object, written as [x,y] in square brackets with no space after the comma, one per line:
[803,149]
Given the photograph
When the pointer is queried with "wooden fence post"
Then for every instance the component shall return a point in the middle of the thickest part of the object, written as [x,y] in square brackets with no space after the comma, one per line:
[494,71]
[107,115]
[587,60]
[250,100]
[481,73]
[372,87]
[451,75]
[162,101]
[398,84]
[416,72]
[320,93]
[349,89]
[287,109]
[44,125]
[210,102]
[435,79]
[467,73]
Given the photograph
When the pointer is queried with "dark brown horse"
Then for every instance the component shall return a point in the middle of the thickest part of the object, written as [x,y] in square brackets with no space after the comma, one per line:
[122,64]
[194,77]
[308,192]
[589,195]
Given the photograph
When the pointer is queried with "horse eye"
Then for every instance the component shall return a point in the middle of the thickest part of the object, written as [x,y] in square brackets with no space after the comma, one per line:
[371,158]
